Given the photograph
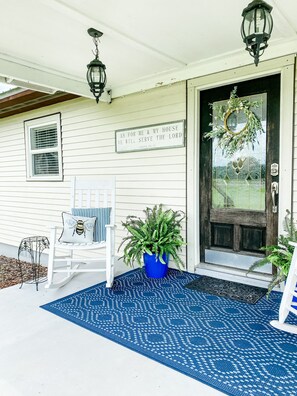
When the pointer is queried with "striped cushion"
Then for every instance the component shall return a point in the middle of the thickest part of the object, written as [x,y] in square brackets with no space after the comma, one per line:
[103,218]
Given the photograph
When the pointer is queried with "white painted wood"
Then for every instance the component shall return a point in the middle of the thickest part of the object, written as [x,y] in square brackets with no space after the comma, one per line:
[295,155]
[284,326]
[143,46]
[15,69]
[286,153]
[285,66]
[82,191]
[290,291]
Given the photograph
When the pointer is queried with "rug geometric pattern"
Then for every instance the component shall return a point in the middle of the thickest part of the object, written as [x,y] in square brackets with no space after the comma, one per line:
[223,343]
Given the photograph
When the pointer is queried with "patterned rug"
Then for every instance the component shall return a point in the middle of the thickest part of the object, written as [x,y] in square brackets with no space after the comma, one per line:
[226,344]
[227,289]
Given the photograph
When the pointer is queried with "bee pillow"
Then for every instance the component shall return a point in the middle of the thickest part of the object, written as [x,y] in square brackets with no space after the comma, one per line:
[77,229]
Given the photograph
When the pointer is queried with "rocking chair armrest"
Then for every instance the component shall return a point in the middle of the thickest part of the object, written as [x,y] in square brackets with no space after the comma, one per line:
[53,231]
[110,226]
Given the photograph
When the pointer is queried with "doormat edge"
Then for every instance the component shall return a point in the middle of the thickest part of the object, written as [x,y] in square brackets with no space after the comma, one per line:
[227,289]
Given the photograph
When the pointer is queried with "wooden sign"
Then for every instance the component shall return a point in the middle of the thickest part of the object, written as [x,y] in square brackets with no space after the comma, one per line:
[151,137]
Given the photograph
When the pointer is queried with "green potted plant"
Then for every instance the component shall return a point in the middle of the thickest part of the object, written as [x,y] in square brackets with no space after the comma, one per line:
[152,239]
[280,255]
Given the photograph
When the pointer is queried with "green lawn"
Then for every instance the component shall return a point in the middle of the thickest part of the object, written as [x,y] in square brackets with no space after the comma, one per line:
[238,194]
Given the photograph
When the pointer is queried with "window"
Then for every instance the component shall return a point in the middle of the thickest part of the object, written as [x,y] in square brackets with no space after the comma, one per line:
[43,148]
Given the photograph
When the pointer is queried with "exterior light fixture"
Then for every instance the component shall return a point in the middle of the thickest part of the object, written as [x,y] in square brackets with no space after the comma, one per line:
[256,28]
[96,75]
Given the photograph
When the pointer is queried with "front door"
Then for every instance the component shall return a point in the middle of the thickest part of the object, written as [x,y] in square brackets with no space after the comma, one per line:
[239,192]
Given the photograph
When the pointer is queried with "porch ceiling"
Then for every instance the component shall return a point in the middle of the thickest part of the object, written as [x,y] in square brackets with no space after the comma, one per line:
[145,43]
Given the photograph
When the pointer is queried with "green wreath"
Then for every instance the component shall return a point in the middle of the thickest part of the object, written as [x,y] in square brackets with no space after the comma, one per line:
[231,141]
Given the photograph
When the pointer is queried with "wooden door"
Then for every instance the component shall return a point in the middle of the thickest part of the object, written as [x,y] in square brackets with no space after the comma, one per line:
[238,209]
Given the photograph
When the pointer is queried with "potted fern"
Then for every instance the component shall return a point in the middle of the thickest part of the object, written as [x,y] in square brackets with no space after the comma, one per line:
[280,255]
[152,240]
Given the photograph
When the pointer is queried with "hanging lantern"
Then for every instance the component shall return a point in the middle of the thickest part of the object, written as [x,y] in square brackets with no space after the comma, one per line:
[256,28]
[96,75]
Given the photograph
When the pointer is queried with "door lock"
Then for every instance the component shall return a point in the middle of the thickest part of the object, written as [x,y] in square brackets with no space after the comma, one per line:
[274,169]
[274,192]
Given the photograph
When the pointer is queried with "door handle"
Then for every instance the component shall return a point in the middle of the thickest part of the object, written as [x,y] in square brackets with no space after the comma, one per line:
[274,192]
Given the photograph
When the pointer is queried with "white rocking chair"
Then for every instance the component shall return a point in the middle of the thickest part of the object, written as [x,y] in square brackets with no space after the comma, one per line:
[287,305]
[86,195]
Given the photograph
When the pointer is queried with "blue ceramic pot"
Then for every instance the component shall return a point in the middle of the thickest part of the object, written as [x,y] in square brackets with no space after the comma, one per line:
[153,266]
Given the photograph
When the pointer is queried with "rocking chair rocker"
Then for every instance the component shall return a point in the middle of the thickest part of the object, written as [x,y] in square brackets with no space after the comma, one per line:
[89,197]
[290,291]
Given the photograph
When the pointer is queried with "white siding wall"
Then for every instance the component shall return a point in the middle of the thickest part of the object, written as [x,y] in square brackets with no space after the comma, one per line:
[88,138]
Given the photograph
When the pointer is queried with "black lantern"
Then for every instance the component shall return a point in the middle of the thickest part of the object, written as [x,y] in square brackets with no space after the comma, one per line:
[256,28]
[96,75]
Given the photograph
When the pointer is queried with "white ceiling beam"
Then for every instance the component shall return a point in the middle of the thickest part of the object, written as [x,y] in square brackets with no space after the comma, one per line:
[48,79]
[32,76]
[78,15]
[28,85]
[216,64]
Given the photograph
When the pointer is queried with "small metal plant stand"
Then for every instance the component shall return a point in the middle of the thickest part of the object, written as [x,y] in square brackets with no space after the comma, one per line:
[34,246]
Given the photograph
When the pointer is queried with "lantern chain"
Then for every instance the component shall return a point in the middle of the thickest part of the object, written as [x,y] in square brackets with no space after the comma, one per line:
[96,52]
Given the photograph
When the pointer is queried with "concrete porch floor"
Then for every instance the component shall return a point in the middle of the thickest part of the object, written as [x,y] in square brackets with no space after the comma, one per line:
[42,354]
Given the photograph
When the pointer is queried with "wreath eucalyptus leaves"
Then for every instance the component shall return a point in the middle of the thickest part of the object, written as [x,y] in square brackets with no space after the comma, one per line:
[232,141]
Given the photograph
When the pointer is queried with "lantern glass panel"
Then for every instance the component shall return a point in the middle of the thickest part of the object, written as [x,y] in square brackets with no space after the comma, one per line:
[259,21]
[95,74]
[269,23]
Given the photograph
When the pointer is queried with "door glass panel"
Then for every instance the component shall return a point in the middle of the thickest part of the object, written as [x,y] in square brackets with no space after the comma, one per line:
[238,182]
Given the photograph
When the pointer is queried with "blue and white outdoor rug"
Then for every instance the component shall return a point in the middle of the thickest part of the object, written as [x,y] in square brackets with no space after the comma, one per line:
[226,344]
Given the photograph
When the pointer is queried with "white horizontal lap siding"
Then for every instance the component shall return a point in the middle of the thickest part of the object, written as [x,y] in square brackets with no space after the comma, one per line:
[12,171]
[295,155]
[144,178]
[26,208]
